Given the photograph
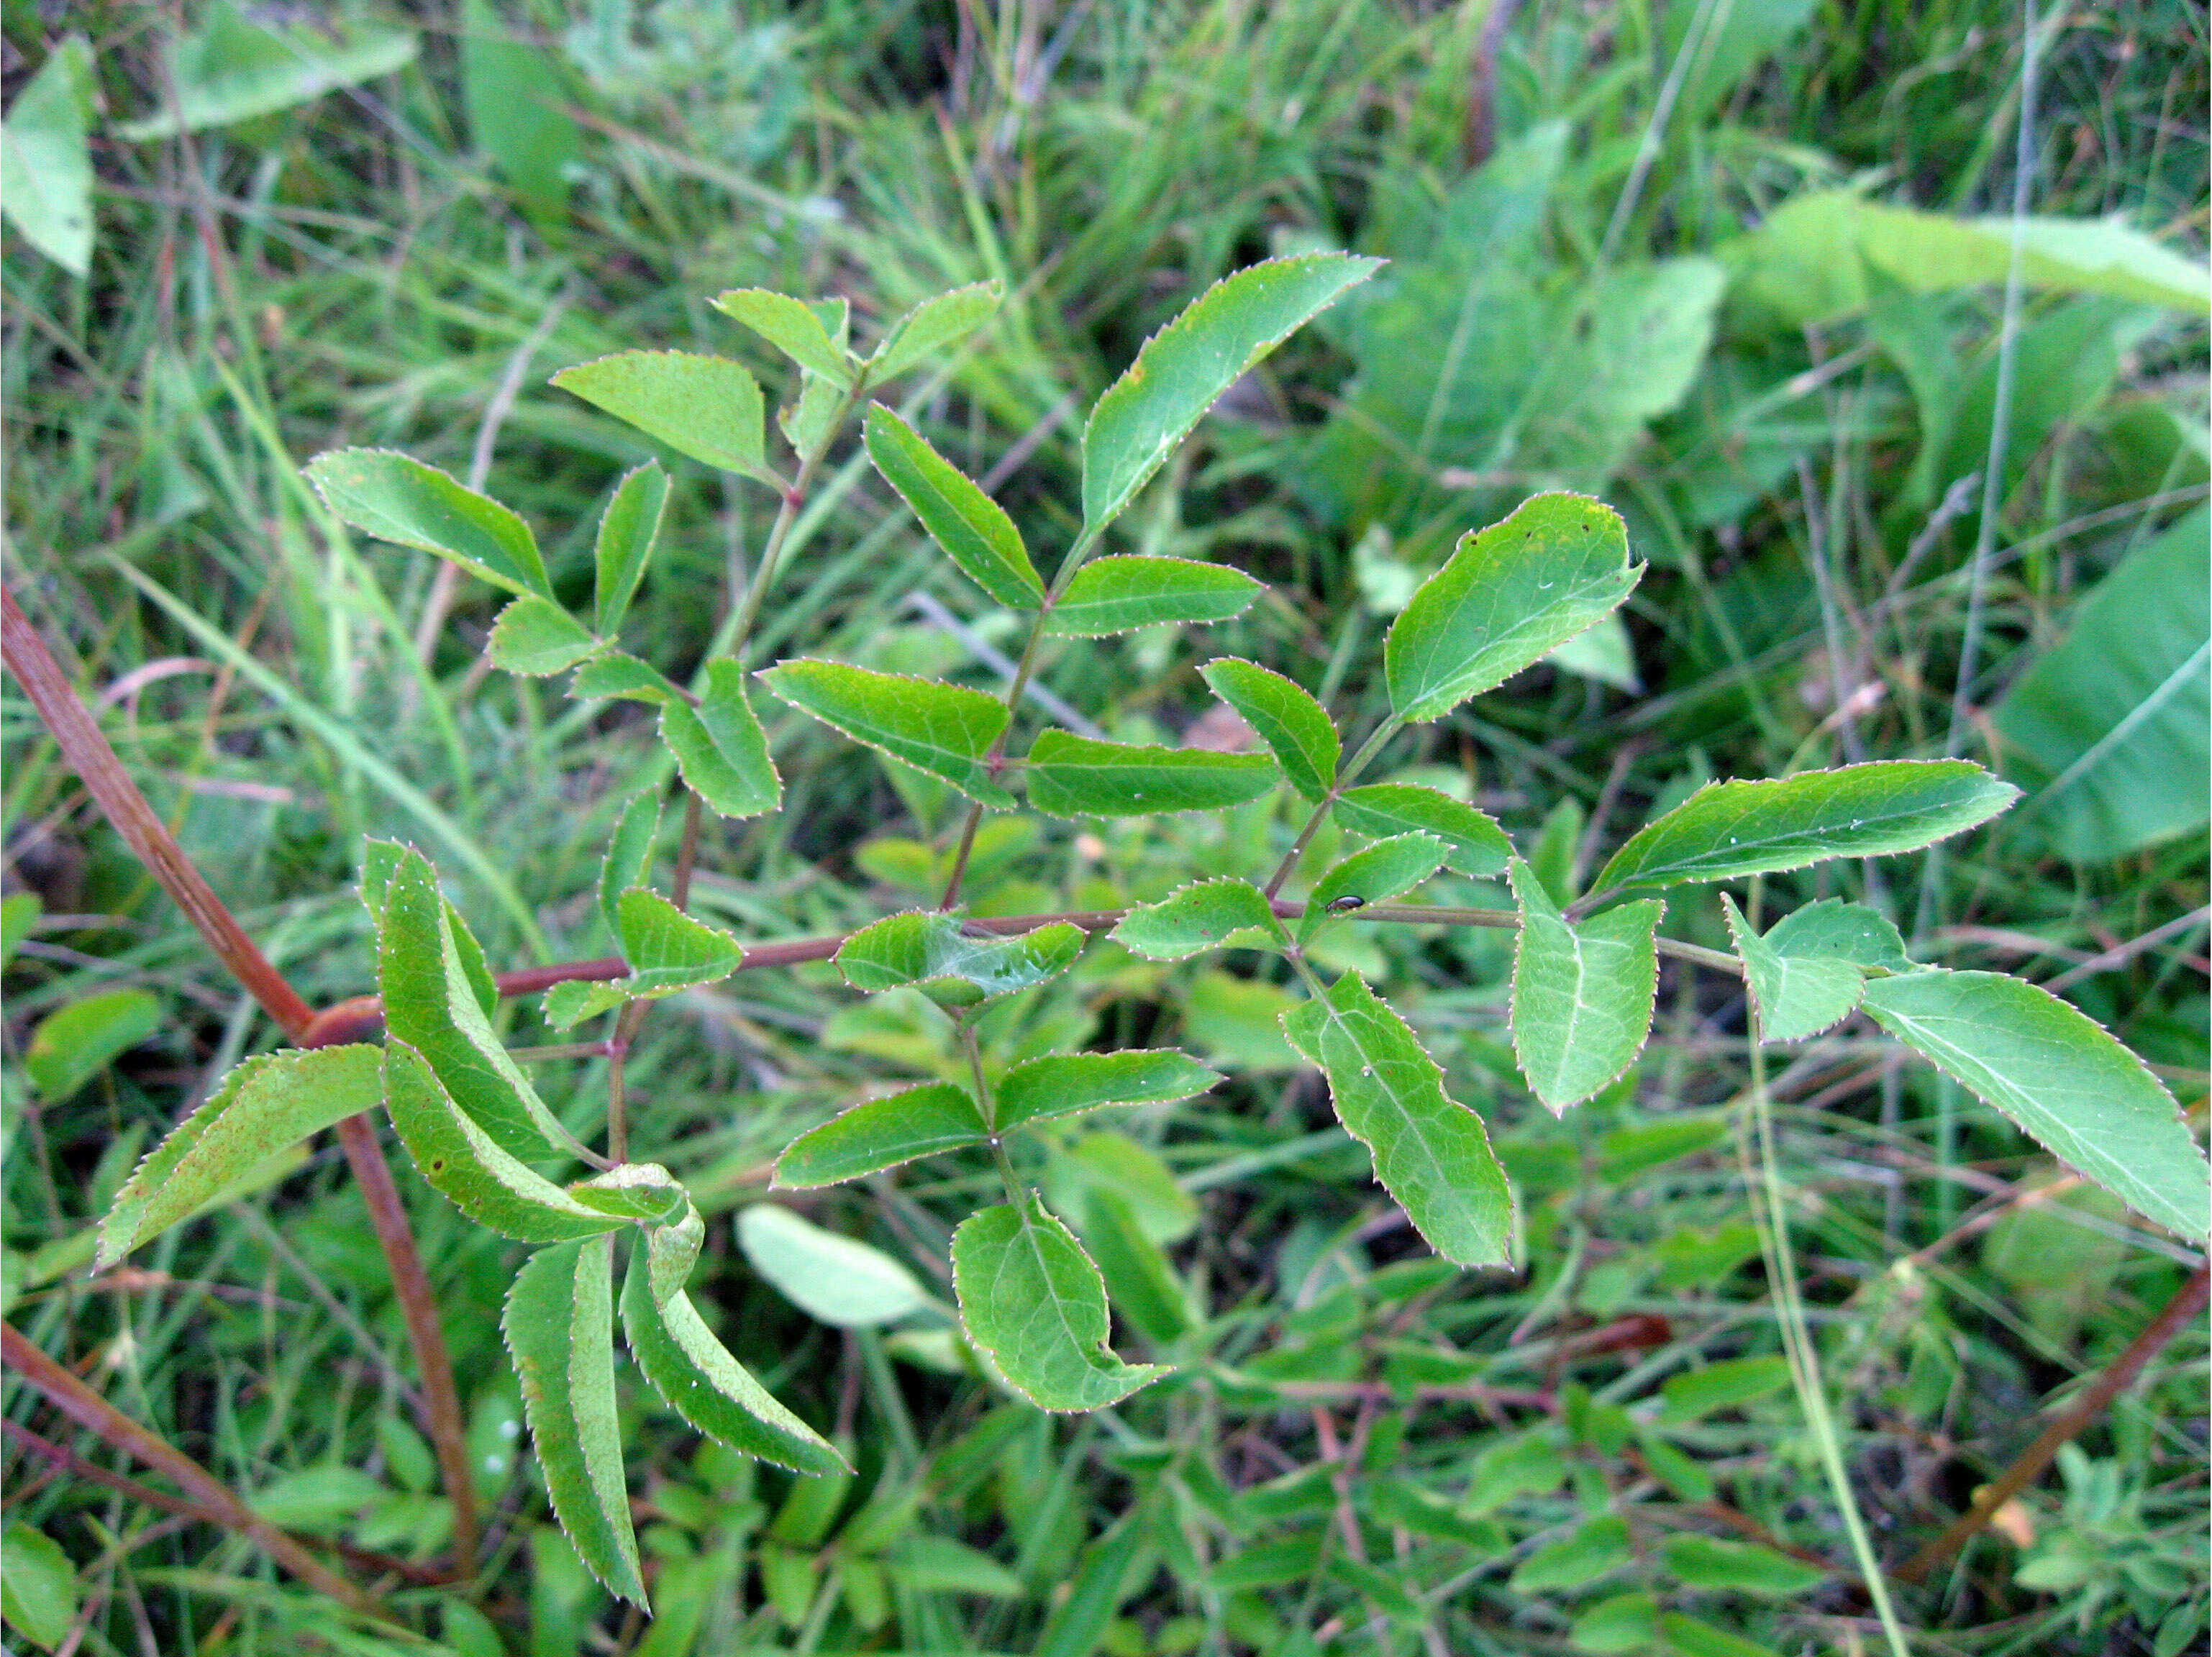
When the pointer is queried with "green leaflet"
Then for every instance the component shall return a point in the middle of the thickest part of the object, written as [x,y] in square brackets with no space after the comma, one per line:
[271,1102]
[1474,843]
[1506,596]
[1064,1083]
[709,1388]
[720,746]
[943,729]
[1730,829]
[671,1252]
[380,861]
[1581,994]
[431,1004]
[793,327]
[19,914]
[2054,1070]
[1075,776]
[228,68]
[1031,1299]
[644,1191]
[833,1280]
[38,1585]
[75,1043]
[1141,1281]
[627,530]
[46,166]
[667,950]
[1795,995]
[629,854]
[1372,875]
[535,636]
[559,1327]
[617,673]
[531,138]
[1713,1566]
[880,1134]
[1833,930]
[1182,369]
[1430,1152]
[934,325]
[928,949]
[466,1165]
[1206,914]
[396,498]
[706,407]
[1295,729]
[974,532]
[1114,595]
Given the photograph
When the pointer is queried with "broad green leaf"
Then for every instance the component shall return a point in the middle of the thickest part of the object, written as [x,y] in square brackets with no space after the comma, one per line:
[709,1387]
[396,498]
[1685,1636]
[1603,653]
[880,1134]
[1598,1546]
[1034,1303]
[466,1167]
[1064,1083]
[1289,720]
[1140,1282]
[38,1585]
[929,949]
[1833,930]
[1430,1152]
[1184,368]
[430,1003]
[792,326]
[1621,1623]
[228,70]
[1073,776]
[75,1043]
[667,950]
[1582,994]
[1474,843]
[1728,829]
[833,1280]
[1105,1159]
[1372,875]
[2107,730]
[627,530]
[620,674]
[935,324]
[946,730]
[1716,1567]
[383,858]
[1795,995]
[960,517]
[1728,1385]
[938,1564]
[706,407]
[1206,914]
[559,1327]
[629,854]
[46,167]
[1114,595]
[514,95]
[272,1101]
[1506,596]
[2055,1072]
[720,746]
[18,914]
[535,636]
[644,1191]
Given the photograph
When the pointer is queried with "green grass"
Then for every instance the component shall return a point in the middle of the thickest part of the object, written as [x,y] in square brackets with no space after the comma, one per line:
[348,273]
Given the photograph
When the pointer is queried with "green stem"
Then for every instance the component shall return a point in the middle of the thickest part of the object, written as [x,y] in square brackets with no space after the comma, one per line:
[1346,776]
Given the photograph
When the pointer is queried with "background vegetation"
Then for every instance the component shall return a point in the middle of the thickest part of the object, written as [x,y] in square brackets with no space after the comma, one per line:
[1367,1451]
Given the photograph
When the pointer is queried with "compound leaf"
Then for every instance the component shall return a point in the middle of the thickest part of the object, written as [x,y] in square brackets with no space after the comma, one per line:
[1474,843]
[395,497]
[972,528]
[946,730]
[268,1102]
[1114,595]
[2057,1072]
[706,407]
[1295,727]
[1507,597]
[559,1327]
[1206,914]
[1076,776]
[1065,1083]
[1184,368]
[1032,1301]
[1581,994]
[880,1134]
[627,530]
[1756,827]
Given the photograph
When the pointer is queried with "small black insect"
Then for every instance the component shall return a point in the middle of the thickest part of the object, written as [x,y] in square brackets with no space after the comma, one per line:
[1345,905]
